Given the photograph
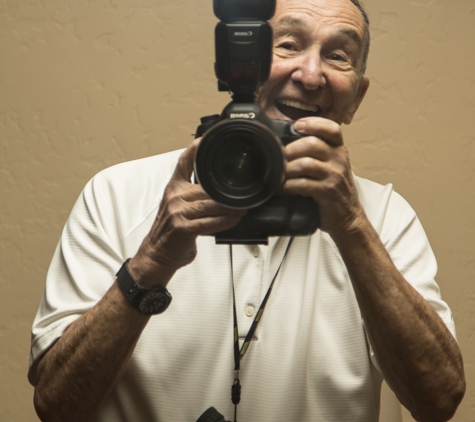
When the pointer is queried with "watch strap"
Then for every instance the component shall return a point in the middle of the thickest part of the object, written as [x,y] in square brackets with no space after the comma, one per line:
[135,293]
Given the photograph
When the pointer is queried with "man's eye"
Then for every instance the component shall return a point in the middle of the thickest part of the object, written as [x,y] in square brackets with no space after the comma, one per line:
[287,46]
[336,57]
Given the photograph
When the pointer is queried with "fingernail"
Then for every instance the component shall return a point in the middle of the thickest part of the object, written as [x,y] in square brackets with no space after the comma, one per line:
[300,126]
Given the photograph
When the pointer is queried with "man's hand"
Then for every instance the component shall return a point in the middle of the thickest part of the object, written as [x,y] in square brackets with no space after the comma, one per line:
[95,350]
[319,166]
[417,354]
[185,212]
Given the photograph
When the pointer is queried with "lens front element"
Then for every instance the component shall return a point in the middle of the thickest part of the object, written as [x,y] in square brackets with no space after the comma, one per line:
[240,163]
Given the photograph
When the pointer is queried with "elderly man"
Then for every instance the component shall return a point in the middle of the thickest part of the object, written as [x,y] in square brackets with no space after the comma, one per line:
[352,304]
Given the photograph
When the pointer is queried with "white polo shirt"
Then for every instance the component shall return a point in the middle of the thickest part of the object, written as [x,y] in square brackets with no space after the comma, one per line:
[309,361]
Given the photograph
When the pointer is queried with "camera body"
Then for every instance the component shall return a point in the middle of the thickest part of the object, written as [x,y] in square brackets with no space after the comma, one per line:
[240,161]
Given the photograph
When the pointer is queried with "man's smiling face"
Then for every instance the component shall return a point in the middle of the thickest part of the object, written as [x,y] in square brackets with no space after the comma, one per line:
[316,69]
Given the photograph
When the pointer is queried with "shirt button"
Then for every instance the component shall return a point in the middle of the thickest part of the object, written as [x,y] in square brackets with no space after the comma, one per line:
[256,251]
[249,311]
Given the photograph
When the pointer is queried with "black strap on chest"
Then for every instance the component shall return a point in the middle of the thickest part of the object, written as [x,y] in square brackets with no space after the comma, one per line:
[239,353]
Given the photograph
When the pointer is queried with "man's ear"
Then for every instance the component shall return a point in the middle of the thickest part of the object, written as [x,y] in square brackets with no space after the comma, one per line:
[362,89]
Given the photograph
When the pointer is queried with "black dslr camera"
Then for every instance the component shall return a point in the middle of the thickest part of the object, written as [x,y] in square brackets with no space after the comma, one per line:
[240,161]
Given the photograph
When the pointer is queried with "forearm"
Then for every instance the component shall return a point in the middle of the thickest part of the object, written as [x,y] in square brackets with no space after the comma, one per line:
[417,354]
[75,376]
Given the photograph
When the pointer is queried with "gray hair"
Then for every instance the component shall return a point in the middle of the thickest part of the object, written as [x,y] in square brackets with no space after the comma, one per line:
[366,34]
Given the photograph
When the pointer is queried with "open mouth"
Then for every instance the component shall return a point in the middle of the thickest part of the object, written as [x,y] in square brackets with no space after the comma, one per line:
[295,110]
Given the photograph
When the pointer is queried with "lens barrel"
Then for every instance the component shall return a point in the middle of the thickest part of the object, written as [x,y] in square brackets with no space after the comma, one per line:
[240,163]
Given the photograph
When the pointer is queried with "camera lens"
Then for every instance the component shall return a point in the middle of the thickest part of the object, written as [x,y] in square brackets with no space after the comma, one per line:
[240,163]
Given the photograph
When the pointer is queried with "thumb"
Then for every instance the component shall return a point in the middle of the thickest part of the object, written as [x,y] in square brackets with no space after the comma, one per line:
[185,166]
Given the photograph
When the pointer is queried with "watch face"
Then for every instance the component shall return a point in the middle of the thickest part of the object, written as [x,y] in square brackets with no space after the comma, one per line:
[154,303]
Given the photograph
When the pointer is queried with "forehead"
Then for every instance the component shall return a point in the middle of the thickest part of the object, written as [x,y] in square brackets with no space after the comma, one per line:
[315,14]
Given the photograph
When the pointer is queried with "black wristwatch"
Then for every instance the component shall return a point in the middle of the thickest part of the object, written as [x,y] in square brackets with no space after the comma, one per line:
[148,301]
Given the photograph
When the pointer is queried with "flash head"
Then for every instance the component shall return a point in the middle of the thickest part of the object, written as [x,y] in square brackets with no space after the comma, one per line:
[232,10]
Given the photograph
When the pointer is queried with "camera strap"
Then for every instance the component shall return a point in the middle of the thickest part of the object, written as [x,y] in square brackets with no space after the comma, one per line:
[239,353]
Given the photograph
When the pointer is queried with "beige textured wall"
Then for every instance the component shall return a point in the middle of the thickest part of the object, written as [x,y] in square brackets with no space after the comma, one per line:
[87,84]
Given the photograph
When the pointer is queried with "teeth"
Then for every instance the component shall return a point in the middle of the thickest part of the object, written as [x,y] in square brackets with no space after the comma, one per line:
[298,104]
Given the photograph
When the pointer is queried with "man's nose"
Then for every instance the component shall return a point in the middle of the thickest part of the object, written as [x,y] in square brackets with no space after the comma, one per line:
[309,71]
